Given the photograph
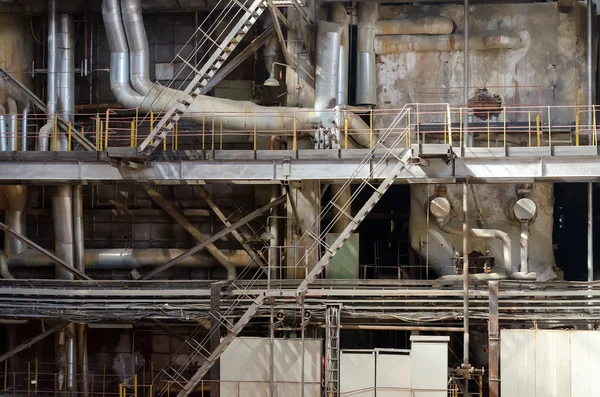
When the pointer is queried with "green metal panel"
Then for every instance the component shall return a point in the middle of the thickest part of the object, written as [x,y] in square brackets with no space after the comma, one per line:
[344,264]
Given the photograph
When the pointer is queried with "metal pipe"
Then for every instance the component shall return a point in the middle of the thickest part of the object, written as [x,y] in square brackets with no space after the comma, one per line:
[2,129]
[327,65]
[62,211]
[340,16]
[366,79]
[202,109]
[43,140]
[434,25]
[274,251]
[82,350]
[126,258]
[590,236]
[524,247]
[11,137]
[15,217]
[465,274]
[401,328]
[24,127]
[65,66]
[486,234]
[52,63]
[4,272]
[590,77]
[139,52]
[466,79]
[78,237]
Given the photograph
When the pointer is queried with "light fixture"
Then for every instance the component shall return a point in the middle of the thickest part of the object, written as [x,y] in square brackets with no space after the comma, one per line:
[272,81]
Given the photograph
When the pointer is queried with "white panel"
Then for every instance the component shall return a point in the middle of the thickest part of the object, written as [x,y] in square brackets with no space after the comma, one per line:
[245,368]
[393,375]
[517,363]
[553,363]
[585,363]
[429,374]
[357,374]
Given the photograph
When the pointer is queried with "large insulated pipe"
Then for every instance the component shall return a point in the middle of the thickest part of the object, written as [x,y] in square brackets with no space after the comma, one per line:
[341,17]
[78,238]
[11,139]
[366,81]
[65,58]
[126,258]
[440,209]
[51,92]
[327,65]
[4,272]
[415,25]
[62,213]
[490,40]
[161,98]
[2,129]
[14,217]
[139,52]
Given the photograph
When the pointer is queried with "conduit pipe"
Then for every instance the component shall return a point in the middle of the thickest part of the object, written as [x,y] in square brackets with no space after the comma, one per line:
[11,139]
[2,129]
[78,237]
[491,40]
[485,234]
[125,258]
[65,58]
[524,247]
[415,25]
[62,214]
[43,137]
[52,53]
[159,99]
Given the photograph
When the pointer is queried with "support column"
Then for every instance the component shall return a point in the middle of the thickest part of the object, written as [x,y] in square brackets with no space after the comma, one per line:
[215,337]
[468,138]
[590,236]
[494,340]
[590,77]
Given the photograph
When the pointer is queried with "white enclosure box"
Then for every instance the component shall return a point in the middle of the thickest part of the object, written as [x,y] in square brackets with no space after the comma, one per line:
[245,368]
[549,363]
[357,373]
[429,365]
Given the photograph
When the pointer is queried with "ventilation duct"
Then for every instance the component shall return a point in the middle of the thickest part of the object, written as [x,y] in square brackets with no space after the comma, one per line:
[327,65]
[366,81]
[159,98]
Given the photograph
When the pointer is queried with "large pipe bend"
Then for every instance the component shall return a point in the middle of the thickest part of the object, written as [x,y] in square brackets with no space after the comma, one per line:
[486,234]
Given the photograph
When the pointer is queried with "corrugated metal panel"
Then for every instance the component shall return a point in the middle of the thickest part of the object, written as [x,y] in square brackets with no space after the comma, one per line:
[344,265]
[549,363]
[357,374]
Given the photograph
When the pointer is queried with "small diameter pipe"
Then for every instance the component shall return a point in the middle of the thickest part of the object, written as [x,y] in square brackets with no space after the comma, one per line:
[465,234]
[11,138]
[24,128]
[2,129]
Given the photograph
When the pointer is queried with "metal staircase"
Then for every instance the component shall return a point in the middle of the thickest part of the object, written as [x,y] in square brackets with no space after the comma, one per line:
[376,166]
[242,14]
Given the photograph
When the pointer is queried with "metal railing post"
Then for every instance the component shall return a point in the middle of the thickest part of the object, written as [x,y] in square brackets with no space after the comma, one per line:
[449,118]
[345,133]
[294,140]
[538,129]
[504,126]
[69,136]
[255,134]
[595,136]
[176,137]
[460,126]
[221,133]
[36,369]
[488,129]
[549,128]
[106,128]
[132,134]
[371,130]
[529,128]
[203,130]
[212,146]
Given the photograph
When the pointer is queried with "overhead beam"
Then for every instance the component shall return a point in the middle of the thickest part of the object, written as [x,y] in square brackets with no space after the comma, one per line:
[206,197]
[33,341]
[49,254]
[224,232]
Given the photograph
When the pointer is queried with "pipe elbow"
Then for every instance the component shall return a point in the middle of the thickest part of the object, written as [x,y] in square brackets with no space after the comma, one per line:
[12,106]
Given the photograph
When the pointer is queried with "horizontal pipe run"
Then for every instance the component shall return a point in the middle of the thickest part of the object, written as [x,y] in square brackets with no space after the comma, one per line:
[401,328]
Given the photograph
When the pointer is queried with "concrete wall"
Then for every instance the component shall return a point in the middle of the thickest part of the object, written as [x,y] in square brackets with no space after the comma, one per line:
[547,67]
[440,247]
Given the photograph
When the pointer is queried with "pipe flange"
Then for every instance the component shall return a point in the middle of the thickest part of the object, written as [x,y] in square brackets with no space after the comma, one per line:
[440,208]
[524,210]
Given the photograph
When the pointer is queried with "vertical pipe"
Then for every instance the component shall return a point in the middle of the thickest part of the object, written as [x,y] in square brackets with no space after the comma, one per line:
[590,239]
[272,351]
[15,217]
[11,138]
[525,247]
[63,229]
[52,64]
[78,238]
[494,341]
[590,79]
[466,283]
[339,15]
[274,254]
[2,129]
[366,93]
[466,72]
[24,128]
[83,358]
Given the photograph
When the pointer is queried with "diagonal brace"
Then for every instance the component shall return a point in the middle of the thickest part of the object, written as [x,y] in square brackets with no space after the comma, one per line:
[224,232]
[50,255]
[33,341]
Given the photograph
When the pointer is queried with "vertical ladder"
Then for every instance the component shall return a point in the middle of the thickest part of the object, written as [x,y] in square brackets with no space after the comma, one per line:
[248,14]
[332,350]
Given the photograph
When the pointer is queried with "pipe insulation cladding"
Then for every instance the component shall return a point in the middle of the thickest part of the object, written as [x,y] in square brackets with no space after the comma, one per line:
[327,65]
[482,41]
[431,25]
[153,97]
